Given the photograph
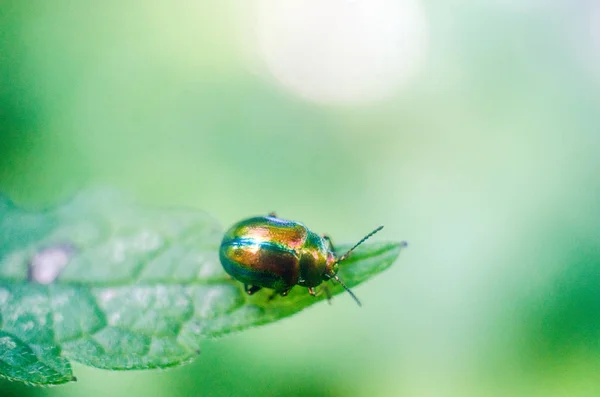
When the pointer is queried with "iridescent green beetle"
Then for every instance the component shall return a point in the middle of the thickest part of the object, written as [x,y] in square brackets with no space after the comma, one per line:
[269,252]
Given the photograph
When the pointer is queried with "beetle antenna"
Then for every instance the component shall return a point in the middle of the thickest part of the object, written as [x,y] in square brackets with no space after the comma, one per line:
[337,278]
[345,256]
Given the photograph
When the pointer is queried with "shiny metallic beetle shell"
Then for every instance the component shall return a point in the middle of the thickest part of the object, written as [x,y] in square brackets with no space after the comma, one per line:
[270,252]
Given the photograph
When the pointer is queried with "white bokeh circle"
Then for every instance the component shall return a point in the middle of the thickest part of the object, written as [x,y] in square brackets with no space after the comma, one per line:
[341,50]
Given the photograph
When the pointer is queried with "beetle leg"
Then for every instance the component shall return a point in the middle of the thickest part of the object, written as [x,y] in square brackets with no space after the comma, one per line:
[250,289]
[311,290]
[273,295]
[328,239]
[325,289]
[273,214]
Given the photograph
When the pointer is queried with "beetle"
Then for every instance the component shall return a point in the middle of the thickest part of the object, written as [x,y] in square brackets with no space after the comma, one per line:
[270,252]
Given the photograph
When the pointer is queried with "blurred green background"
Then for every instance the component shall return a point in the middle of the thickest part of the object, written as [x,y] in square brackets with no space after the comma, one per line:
[469,128]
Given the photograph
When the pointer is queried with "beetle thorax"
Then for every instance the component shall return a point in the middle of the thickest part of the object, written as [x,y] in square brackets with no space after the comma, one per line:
[314,258]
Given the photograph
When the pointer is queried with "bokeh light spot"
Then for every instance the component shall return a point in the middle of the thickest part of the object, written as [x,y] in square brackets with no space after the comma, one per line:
[341,50]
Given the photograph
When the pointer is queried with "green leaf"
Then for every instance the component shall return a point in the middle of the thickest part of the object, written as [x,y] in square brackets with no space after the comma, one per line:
[104,282]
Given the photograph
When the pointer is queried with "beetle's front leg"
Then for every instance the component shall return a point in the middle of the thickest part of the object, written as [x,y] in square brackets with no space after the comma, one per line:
[325,289]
